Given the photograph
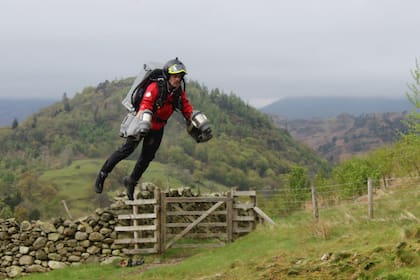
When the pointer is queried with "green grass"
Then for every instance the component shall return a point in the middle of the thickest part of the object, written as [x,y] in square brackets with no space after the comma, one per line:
[386,247]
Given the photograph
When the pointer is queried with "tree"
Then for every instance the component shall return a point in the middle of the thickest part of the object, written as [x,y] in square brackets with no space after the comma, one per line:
[298,187]
[66,103]
[414,98]
[13,198]
[21,213]
[408,150]
[15,123]
[34,214]
[299,182]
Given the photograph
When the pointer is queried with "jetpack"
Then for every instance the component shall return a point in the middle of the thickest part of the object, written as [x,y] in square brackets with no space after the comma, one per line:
[145,71]
[129,124]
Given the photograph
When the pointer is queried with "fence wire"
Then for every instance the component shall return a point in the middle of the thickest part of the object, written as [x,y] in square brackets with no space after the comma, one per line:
[395,197]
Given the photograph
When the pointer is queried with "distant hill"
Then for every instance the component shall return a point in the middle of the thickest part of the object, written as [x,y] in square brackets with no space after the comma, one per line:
[326,107]
[11,108]
[344,136]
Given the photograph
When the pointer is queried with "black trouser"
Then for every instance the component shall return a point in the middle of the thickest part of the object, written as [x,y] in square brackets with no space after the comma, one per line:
[151,143]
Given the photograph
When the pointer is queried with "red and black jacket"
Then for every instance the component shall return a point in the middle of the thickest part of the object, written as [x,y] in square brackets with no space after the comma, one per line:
[163,111]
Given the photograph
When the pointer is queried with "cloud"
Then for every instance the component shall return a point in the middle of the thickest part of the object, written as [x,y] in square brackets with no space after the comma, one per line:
[261,51]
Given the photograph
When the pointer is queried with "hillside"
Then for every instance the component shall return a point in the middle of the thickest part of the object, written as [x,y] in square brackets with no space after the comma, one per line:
[328,107]
[20,109]
[247,151]
[344,136]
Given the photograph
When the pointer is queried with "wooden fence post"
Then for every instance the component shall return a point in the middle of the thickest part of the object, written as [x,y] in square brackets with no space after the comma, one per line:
[229,216]
[370,198]
[158,222]
[162,244]
[254,202]
[314,203]
[135,223]
[67,209]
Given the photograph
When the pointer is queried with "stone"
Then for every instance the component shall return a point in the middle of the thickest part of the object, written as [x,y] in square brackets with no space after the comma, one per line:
[82,227]
[85,243]
[111,260]
[108,241]
[106,251]
[12,230]
[28,241]
[79,249]
[62,251]
[54,257]
[93,250]
[326,257]
[47,227]
[53,236]
[60,229]
[69,231]
[116,252]
[107,216]
[71,243]
[36,268]
[88,229]
[105,231]
[85,255]
[41,255]
[26,260]
[81,235]
[39,243]
[96,236]
[23,250]
[51,247]
[4,235]
[59,246]
[92,259]
[73,258]
[14,271]
[78,253]
[25,226]
[56,265]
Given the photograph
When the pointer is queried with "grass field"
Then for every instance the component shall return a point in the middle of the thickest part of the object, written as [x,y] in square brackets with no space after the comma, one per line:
[344,244]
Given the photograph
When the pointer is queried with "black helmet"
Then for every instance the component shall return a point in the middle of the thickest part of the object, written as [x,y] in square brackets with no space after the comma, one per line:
[174,66]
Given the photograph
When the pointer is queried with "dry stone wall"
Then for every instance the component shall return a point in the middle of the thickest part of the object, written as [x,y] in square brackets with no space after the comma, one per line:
[38,246]
[41,246]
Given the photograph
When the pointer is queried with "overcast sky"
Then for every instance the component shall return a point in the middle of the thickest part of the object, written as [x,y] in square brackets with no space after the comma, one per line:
[260,50]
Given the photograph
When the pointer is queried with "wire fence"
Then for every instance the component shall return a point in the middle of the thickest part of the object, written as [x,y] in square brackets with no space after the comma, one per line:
[382,199]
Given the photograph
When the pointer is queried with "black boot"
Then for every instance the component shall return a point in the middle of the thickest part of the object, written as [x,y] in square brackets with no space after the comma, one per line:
[99,184]
[129,184]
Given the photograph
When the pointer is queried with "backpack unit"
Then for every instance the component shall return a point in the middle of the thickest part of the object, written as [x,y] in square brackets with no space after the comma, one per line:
[135,95]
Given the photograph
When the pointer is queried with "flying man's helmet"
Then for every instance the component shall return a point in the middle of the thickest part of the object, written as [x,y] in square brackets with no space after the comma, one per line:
[174,66]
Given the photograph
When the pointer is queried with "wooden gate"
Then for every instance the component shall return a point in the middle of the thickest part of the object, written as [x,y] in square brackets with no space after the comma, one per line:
[181,219]
[141,236]
[187,222]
